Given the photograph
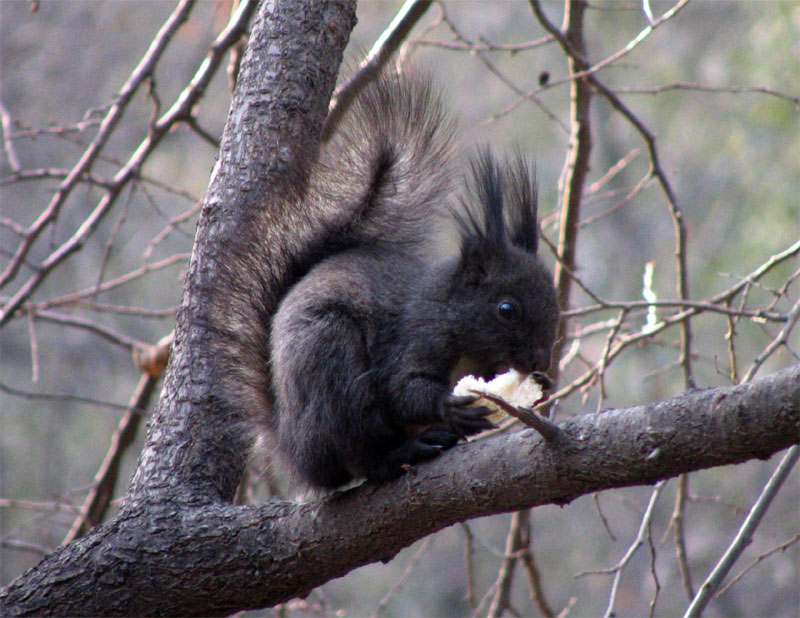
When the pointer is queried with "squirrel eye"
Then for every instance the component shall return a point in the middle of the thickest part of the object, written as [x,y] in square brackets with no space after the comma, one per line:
[508,310]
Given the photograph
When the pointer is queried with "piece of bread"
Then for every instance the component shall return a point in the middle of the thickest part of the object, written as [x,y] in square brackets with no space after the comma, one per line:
[514,387]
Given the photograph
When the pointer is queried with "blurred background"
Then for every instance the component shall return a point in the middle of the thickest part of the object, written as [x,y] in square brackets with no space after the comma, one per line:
[717,87]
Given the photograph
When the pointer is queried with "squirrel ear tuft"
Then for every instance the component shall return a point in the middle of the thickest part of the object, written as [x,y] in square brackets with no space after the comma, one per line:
[499,207]
[522,204]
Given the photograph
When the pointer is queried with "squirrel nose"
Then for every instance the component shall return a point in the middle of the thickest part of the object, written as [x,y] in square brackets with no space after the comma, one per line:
[540,359]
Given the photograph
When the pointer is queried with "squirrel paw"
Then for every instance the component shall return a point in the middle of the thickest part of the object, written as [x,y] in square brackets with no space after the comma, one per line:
[462,418]
[424,446]
[427,445]
[437,436]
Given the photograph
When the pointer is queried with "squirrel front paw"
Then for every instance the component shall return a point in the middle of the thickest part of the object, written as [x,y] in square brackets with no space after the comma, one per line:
[462,417]
[426,445]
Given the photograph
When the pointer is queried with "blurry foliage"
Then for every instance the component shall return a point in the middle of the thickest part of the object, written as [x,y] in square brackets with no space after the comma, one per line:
[732,158]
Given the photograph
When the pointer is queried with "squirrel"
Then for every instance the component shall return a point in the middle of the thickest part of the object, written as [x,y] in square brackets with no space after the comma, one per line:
[372,331]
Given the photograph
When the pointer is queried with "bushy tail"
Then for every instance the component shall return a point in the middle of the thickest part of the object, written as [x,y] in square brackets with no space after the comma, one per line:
[388,170]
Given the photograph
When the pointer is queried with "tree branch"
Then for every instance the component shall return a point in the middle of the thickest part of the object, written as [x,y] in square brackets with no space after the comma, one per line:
[216,559]
[745,535]
[178,112]
[98,500]
[115,112]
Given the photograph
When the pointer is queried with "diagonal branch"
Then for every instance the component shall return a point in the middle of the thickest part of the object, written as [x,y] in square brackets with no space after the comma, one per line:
[180,111]
[745,535]
[105,480]
[126,93]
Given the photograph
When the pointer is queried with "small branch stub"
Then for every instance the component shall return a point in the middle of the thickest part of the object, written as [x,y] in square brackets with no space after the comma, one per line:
[546,428]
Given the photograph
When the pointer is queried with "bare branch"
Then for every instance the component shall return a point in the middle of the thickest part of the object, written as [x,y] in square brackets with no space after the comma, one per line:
[745,535]
[180,110]
[99,498]
[782,547]
[129,89]
[781,339]
[423,548]
[680,539]
[712,89]
[64,397]
[641,537]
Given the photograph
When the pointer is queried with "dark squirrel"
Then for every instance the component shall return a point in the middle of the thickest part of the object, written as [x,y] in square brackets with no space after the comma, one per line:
[367,344]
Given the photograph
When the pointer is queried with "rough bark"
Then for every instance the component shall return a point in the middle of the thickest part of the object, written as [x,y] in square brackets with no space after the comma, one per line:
[165,558]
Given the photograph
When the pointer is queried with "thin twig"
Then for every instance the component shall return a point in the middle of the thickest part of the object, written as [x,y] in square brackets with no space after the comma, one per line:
[469,551]
[637,543]
[65,397]
[180,110]
[656,583]
[412,565]
[745,535]
[7,503]
[135,80]
[680,539]
[603,519]
[640,538]
[99,498]
[112,239]
[34,548]
[603,362]
[111,284]
[781,339]
[730,338]
[98,329]
[567,608]
[48,173]
[756,562]
[712,89]
[535,581]
[485,45]
[585,69]
[505,577]
[521,94]
[141,312]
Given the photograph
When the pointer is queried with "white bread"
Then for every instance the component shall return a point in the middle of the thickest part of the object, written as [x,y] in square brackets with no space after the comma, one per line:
[516,388]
